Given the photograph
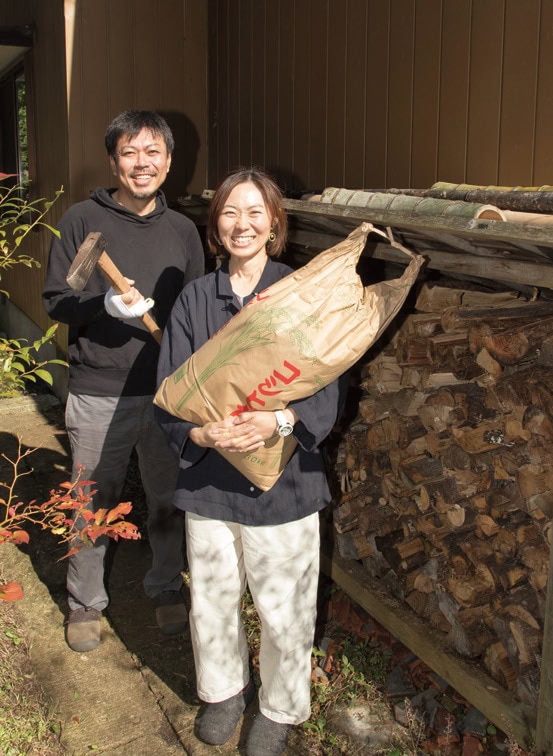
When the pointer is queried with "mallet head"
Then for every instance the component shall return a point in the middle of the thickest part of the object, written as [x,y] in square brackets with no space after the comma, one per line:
[85,260]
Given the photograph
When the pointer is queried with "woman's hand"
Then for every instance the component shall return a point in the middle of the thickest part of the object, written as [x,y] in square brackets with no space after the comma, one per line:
[244,433]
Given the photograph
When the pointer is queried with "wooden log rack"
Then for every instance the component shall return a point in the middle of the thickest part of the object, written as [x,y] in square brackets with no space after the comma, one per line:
[515,254]
[467,678]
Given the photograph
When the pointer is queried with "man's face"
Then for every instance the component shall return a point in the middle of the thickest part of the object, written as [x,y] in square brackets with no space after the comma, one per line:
[141,164]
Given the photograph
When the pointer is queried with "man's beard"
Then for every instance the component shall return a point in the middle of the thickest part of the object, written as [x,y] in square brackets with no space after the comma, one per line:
[144,195]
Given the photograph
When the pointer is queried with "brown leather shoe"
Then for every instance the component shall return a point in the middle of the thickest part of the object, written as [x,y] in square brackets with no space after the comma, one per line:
[84,630]
[171,614]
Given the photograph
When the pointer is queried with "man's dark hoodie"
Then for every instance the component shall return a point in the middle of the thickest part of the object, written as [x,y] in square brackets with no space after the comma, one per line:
[160,251]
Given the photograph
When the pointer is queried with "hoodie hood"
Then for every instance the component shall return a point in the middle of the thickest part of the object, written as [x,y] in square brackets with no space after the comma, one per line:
[104,197]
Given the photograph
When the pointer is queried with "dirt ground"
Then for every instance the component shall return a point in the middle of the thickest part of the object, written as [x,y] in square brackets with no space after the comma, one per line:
[135,694]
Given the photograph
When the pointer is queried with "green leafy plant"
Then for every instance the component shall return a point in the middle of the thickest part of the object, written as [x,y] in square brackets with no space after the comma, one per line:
[19,362]
[63,514]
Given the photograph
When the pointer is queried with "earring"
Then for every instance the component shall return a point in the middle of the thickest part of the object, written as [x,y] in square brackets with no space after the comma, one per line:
[272,236]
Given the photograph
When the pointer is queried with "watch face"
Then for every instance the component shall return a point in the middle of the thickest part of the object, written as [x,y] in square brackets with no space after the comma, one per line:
[285,430]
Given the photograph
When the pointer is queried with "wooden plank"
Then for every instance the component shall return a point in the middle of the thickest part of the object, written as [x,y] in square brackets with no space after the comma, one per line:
[272,77]
[94,113]
[356,90]
[191,103]
[400,94]
[484,91]
[378,59]
[258,83]
[479,689]
[214,127]
[426,92]
[148,23]
[318,94]
[303,60]
[452,132]
[246,32]
[544,727]
[234,42]
[518,106]
[471,266]
[543,154]
[335,114]
[286,87]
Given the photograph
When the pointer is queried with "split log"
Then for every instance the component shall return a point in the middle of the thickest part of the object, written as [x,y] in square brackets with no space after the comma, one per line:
[531,200]
[437,298]
[496,660]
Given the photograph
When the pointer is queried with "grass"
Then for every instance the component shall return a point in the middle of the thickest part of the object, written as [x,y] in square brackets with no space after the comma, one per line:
[28,725]
[346,673]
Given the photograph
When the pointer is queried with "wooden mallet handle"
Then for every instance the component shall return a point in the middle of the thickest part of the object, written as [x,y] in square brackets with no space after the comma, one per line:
[121,286]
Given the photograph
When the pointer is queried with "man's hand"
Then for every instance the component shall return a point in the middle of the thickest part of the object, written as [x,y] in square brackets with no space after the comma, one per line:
[129,305]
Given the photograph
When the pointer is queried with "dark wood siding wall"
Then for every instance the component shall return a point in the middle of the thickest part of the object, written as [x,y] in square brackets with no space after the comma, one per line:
[92,59]
[382,93]
[146,54]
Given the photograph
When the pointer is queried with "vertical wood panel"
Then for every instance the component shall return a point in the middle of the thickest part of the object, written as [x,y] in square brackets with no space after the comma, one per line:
[272,25]
[519,92]
[486,65]
[378,55]
[318,100]
[426,93]
[452,134]
[223,88]
[543,152]
[335,146]
[356,88]
[259,91]
[120,35]
[148,34]
[95,113]
[213,72]
[302,95]
[246,33]
[400,93]
[233,82]
[286,86]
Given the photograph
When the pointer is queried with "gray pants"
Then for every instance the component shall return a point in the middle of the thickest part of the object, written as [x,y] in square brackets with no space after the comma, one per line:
[103,431]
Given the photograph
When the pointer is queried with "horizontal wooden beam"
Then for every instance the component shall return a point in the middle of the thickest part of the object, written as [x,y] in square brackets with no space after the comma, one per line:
[478,229]
[491,268]
[467,678]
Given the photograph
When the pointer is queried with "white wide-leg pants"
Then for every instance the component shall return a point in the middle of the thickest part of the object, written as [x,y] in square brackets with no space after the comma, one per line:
[280,564]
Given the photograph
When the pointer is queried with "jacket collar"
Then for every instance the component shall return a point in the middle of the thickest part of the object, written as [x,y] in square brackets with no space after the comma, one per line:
[224,289]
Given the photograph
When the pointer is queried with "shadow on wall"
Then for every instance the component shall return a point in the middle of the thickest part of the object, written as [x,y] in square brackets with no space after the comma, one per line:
[185,155]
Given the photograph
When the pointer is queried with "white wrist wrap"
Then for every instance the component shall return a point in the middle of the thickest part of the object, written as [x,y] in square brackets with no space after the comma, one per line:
[118,309]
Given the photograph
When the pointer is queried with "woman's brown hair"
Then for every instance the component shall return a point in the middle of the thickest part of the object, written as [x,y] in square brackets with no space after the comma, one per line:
[272,196]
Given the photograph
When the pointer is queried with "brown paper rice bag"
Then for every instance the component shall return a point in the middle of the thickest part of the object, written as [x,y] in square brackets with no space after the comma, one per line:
[293,339]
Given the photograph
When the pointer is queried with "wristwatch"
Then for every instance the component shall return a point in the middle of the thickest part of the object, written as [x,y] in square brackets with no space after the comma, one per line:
[284,428]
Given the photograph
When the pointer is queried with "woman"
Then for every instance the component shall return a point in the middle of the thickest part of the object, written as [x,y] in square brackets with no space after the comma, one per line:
[236,533]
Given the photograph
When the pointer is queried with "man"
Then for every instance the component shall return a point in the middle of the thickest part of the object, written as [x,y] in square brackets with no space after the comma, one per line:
[113,361]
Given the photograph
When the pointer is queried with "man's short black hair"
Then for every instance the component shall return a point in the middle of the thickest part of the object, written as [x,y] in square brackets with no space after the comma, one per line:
[131,122]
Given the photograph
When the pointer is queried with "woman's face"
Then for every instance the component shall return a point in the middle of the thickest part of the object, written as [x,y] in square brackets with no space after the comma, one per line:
[244,223]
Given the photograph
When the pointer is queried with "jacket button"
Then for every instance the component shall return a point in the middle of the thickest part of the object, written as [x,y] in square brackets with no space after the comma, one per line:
[252,489]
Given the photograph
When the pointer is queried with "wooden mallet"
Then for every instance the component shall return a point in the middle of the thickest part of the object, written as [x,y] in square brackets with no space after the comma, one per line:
[92,253]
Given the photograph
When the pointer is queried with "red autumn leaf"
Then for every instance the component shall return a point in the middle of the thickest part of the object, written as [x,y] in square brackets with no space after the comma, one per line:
[18,536]
[10,592]
[120,510]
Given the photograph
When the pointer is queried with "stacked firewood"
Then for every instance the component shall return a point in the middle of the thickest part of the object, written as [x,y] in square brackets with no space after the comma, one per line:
[446,473]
